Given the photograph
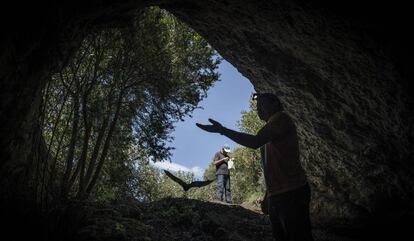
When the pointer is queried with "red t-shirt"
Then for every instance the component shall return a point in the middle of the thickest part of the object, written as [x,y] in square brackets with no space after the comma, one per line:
[282,168]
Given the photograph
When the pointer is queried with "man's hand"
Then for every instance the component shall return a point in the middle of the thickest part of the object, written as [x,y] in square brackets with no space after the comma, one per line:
[244,139]
[221,160]
[216,127]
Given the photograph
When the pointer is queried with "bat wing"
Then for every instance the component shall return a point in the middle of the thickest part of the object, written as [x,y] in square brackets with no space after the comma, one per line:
[200,183]
[177,180]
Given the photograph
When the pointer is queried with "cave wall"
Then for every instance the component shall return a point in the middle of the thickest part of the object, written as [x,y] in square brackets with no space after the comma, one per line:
[341,70]
[339,82]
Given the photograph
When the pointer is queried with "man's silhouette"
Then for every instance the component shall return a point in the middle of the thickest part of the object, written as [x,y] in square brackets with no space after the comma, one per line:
[288,192]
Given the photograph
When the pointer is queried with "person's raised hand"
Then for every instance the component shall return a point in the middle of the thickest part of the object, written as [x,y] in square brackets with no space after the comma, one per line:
[216,127]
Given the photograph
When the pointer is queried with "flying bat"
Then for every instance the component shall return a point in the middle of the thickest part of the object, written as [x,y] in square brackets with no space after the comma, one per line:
[185,185]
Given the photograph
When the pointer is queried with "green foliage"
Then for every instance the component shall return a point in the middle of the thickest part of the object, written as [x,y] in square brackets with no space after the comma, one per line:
[210,172]
[112,109]
[250,121]
[115,104]
[247,178]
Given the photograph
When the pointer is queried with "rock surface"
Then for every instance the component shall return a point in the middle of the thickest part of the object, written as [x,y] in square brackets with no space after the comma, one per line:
[354,118]
[342,70]
[167,219]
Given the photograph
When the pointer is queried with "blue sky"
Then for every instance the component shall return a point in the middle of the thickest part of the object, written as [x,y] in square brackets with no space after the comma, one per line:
[195,148]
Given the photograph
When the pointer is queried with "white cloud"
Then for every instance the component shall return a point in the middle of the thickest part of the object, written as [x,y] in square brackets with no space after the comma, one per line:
[171,166]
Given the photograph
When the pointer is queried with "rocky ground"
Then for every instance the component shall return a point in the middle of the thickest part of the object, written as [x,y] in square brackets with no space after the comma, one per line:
[171,219]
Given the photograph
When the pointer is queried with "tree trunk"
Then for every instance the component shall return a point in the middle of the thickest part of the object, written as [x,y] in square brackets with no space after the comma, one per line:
[52,172]
[106,145]
[82,159]
[72,145]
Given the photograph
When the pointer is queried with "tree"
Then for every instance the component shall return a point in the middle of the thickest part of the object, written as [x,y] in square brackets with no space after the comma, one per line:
[248,179]
[122,91]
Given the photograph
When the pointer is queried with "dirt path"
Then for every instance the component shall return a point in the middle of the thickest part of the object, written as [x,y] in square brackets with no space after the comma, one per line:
[185,219]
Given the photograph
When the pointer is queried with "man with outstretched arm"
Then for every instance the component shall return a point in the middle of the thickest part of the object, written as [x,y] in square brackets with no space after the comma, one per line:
[288,192]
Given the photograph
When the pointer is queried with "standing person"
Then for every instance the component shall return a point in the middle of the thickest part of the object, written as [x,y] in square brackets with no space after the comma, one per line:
[288,192]
[223,174]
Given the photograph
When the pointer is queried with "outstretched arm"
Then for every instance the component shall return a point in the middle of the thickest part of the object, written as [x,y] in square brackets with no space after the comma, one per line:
[275,128]
[244,139]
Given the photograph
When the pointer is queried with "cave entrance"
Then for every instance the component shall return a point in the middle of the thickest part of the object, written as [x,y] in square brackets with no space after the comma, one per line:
[225,102]
[337,74]
[116,101]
